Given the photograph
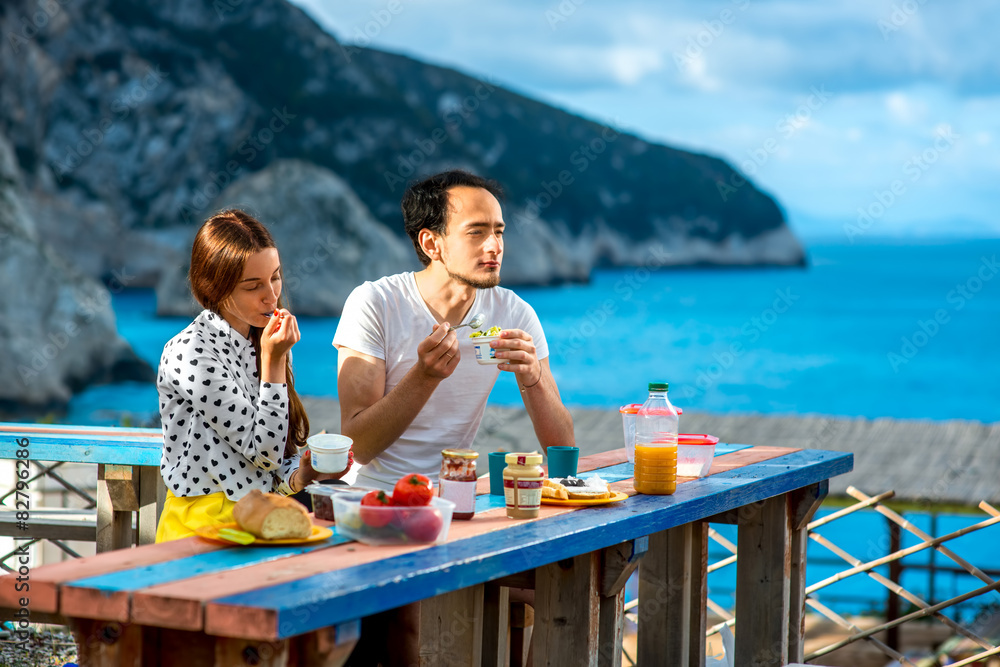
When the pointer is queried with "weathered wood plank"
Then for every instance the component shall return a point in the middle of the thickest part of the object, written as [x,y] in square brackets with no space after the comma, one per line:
[762,585]
[451,628]
[327,647]
[46,581]
[611,629]
[104,644]
[149,509]
[113,449]
[672,597]
[114,528]
[697,560]
[70,429]
[229,651]
[496,618]
[566,612]
[63,524]
[802,506]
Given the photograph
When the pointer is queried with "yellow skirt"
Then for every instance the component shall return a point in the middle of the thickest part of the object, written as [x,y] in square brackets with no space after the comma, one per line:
[181,516]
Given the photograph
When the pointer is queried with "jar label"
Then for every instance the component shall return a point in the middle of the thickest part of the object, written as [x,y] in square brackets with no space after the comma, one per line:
[463,494]
[523,494]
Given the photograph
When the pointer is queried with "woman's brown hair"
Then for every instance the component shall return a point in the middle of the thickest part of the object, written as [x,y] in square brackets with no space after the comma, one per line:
[218,257]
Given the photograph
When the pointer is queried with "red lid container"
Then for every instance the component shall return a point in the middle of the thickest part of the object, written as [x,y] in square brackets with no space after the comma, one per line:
[696,439]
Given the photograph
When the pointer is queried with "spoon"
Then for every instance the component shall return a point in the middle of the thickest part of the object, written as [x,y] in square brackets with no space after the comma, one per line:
[476,322]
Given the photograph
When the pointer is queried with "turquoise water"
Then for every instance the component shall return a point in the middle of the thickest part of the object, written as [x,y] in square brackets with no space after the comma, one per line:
[874,330]
[865,536]
[718,337]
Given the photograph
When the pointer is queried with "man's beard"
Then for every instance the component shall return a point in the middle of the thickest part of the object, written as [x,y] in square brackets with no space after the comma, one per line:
[485,283]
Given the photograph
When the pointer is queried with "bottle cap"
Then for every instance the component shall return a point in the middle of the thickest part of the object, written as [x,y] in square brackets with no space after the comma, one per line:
[460,453]
[658,386]
[523,458]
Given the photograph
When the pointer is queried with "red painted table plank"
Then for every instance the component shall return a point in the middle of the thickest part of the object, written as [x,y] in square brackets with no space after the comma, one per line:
[46,580]
[181,601]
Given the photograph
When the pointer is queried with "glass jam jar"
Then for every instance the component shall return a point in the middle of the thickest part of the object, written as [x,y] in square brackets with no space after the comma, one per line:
[522,484]
[458,481]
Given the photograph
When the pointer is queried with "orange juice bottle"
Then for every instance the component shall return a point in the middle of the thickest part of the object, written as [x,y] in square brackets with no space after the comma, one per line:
[655,468]
[656,428]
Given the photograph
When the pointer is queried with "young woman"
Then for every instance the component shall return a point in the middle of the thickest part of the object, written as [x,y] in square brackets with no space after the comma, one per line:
[232,421]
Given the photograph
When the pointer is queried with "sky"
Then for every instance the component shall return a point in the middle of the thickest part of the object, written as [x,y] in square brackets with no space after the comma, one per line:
[861,117]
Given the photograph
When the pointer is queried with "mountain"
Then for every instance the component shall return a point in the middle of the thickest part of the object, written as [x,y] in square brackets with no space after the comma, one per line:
[136,115]
[57,330]
[130,121]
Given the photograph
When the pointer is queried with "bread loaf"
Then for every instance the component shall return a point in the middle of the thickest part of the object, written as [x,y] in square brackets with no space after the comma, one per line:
[592,488]
[272,516]
[554,490]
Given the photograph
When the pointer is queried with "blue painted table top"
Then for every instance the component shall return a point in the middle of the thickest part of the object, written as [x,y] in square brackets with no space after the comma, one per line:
[342,595]
[74,444]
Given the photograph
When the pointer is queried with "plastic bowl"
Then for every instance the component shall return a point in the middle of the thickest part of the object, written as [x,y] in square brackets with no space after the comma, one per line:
[329,451]
[322,500]
[485,354]
[379,526]
[694,454]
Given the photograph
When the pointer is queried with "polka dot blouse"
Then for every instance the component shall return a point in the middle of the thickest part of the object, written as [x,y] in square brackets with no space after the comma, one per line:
[223,429]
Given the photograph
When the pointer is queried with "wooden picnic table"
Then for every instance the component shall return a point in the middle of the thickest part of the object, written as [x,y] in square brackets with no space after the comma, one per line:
[196,602]
[129,490]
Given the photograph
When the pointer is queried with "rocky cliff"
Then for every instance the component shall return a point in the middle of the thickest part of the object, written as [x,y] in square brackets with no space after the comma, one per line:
[57,329]
[130,118]
[304,203]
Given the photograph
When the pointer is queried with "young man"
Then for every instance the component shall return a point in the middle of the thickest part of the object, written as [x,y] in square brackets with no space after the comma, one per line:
[409,386]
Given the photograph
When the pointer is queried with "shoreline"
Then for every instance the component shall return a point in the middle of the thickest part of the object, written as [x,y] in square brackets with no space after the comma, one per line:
[925,462]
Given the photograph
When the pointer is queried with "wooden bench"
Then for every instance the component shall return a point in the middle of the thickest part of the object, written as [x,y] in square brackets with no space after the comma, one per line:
[129,491]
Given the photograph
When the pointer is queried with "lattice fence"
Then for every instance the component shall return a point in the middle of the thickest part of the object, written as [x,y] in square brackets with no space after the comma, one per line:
[974,647]
[60,521]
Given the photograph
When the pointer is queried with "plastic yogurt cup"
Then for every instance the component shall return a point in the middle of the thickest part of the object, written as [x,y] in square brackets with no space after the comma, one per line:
[484,353]
[329,451]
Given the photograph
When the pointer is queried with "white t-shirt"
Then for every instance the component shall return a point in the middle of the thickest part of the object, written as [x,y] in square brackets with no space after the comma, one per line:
[387,319]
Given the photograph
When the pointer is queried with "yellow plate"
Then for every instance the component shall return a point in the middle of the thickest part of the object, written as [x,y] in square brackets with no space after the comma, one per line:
[318,534]
[617,497]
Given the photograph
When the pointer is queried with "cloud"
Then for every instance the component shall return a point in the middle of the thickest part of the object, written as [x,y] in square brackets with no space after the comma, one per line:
[724,76]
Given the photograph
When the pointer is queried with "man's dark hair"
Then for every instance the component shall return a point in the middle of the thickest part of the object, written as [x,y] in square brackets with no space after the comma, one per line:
[425,204]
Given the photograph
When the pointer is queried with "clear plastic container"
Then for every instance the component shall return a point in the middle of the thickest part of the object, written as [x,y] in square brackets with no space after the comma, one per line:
[694,454]
[322,499]
[628,413]
[656,427]
[424,524]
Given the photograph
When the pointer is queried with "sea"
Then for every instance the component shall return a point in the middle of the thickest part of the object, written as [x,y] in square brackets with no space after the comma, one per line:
[876,328]
[869,329]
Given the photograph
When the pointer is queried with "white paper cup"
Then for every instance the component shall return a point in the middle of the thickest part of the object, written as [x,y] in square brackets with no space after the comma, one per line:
[329,451]
[485,354]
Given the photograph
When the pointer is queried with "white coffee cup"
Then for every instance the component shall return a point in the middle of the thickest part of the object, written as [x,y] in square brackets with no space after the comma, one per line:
[329,451]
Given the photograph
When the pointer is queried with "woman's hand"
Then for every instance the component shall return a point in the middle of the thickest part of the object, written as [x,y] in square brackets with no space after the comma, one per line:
[277,338]
[306,474]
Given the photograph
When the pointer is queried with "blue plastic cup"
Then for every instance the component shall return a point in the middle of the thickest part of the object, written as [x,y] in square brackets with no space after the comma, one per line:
[497,465]
[563,461]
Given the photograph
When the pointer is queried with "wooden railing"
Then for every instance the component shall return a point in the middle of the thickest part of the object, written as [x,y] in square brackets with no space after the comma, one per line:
[976,647]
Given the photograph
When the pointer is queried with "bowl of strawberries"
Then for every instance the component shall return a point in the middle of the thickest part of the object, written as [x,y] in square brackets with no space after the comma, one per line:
[410,514]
